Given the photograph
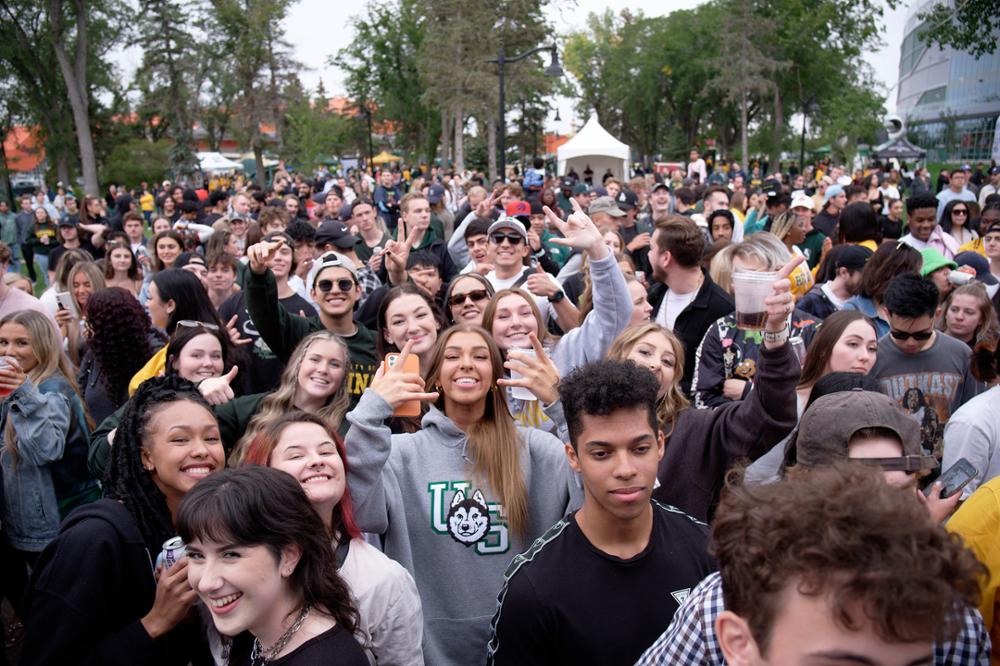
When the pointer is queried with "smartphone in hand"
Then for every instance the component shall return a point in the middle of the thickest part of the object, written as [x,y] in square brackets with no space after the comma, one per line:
[412,365]
[954,478]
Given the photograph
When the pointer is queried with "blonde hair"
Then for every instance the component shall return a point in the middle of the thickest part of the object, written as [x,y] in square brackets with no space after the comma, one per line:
[282,400]
[495,445]
[673,401]
[721,268]
[93,272]
[46,345]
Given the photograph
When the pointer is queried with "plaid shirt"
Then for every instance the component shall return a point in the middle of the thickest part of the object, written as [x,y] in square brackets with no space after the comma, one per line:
[369,282]
[690,638]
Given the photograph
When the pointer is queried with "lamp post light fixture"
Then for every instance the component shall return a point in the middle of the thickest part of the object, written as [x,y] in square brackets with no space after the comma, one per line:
[553,70]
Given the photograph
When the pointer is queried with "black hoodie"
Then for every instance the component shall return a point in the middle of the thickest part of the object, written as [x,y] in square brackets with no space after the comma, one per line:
[89,590]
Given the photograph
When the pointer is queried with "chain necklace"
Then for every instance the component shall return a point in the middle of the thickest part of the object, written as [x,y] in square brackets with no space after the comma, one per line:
[260,656]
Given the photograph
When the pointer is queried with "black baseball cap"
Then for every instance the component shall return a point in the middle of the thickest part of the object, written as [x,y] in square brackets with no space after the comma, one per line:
[853,257]
[335,233]
[566,183]
[627,200]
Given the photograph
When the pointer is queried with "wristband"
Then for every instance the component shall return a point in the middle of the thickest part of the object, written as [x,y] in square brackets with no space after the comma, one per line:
[777,337]
[556,297]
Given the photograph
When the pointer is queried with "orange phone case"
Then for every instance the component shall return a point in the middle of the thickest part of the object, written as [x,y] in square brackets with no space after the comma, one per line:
[412,365]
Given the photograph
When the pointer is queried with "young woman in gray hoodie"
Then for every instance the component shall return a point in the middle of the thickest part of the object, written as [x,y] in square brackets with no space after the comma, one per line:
[457,500]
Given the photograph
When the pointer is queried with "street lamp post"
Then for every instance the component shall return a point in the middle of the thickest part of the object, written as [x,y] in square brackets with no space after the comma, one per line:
[553,69]
[366,112]
[806,107]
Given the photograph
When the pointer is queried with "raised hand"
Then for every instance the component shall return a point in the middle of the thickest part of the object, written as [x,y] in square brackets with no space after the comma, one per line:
[217,390]
[538,373]
[579,231]
[781,303]
[397,387]
[540,284]
[262,253]
[234,334]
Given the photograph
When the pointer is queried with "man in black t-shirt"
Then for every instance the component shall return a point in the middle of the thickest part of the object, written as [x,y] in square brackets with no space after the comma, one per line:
[600,585]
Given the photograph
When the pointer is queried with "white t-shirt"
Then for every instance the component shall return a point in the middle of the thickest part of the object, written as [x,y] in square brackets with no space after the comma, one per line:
[833,297]
[673,304]
[544,306]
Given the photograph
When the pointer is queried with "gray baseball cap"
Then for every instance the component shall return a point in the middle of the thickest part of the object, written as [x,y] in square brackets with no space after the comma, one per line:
[605,205]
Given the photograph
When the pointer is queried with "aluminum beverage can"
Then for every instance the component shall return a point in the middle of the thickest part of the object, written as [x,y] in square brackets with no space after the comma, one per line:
[173,551]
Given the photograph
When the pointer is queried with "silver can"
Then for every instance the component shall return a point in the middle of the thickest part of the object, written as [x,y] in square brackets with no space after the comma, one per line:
[173,551]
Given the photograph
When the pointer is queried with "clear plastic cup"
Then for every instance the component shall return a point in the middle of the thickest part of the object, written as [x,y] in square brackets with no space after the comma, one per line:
[750,288]
[520,392]
[6,362]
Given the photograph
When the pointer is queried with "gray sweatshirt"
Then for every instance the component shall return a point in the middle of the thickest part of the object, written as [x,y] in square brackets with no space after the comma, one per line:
[417,491]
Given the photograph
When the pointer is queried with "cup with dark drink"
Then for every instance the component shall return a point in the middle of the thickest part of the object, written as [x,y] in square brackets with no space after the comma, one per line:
[750,288]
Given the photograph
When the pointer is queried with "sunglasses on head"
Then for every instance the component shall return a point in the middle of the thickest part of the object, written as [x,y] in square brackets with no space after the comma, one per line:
[513,239]
[919,336]
[476,295]
[343,284]
[192,323]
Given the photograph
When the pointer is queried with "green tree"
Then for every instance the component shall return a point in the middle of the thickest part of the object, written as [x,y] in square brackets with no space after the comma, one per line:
[165,77]
[972,26]
[381,67]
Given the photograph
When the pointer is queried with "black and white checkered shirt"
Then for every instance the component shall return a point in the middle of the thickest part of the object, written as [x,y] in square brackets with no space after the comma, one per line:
[690,638]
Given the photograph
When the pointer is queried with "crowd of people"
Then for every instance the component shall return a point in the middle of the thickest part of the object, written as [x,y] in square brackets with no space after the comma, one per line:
[417,417]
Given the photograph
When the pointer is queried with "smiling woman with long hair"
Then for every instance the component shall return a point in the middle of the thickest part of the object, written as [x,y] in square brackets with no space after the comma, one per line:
[463,494]
[306,447]
[96,581]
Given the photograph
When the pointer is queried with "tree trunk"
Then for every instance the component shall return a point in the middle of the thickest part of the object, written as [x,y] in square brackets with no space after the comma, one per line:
[779,130]
[491,148]
[744,141]
[258,158]
[445,138]
[62,169]
[75,75]
[459,139]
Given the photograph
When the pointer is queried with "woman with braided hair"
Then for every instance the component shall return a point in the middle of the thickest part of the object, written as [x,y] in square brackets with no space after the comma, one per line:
[95,597]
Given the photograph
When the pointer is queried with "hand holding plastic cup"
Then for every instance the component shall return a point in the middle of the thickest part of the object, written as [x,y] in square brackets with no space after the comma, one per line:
[750,288]
[520,392]
[7,362]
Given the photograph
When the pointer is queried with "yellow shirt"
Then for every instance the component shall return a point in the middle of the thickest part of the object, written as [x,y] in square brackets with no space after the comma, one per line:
[978,523]
[154,367]
[146,202]
[974,246]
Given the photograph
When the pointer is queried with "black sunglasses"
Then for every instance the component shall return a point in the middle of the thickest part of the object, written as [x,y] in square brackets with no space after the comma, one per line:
[960,211]
[919,336]
[514,239]
[476,295]
[343,284]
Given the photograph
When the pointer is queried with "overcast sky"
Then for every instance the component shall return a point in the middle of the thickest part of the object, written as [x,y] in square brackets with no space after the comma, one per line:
[316,30]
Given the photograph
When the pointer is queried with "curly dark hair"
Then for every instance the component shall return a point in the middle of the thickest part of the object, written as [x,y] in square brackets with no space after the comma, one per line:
[125,478]
[257,505]
[877,550]
[120,338]
[605,386]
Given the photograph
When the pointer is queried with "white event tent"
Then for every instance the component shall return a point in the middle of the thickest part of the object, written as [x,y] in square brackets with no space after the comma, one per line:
[593,145]
[212,162]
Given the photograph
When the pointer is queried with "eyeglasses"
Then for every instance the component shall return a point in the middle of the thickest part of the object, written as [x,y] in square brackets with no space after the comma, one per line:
[192,323]
[343,284]
[919,336]
[513,239]
[959,211]
[476,295]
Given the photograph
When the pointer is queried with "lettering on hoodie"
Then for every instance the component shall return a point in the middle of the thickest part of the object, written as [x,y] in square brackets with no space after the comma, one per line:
[468,517]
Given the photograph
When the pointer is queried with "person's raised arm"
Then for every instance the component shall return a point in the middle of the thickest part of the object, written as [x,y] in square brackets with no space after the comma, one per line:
[369,439]
[280,330]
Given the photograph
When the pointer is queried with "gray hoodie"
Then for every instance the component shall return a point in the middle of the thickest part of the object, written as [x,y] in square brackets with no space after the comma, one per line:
[417,491]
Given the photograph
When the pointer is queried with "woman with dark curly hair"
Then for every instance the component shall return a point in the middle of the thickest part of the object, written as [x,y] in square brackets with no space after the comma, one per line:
[120,340]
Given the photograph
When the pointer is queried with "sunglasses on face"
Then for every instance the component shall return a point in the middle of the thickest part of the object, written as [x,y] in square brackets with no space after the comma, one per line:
[959,211]
[513,239]
[919,336]
[476,295]
[343,284]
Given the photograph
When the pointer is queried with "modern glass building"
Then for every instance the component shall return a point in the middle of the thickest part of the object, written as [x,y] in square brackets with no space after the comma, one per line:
[949,99]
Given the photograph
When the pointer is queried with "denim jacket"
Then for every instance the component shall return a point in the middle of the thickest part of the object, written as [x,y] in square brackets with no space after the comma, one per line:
[50,475]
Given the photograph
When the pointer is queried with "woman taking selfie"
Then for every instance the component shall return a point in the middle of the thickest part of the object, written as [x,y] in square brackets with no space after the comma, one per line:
[390,621]
[262,564]
[461,495]
[707,442]
[96,582]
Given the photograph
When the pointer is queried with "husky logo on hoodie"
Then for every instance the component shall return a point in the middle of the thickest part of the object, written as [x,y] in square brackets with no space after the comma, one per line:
[465,514]
[468,519]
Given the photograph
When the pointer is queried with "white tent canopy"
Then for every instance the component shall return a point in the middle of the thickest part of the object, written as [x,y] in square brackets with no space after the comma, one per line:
[211,162]
[594,146]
